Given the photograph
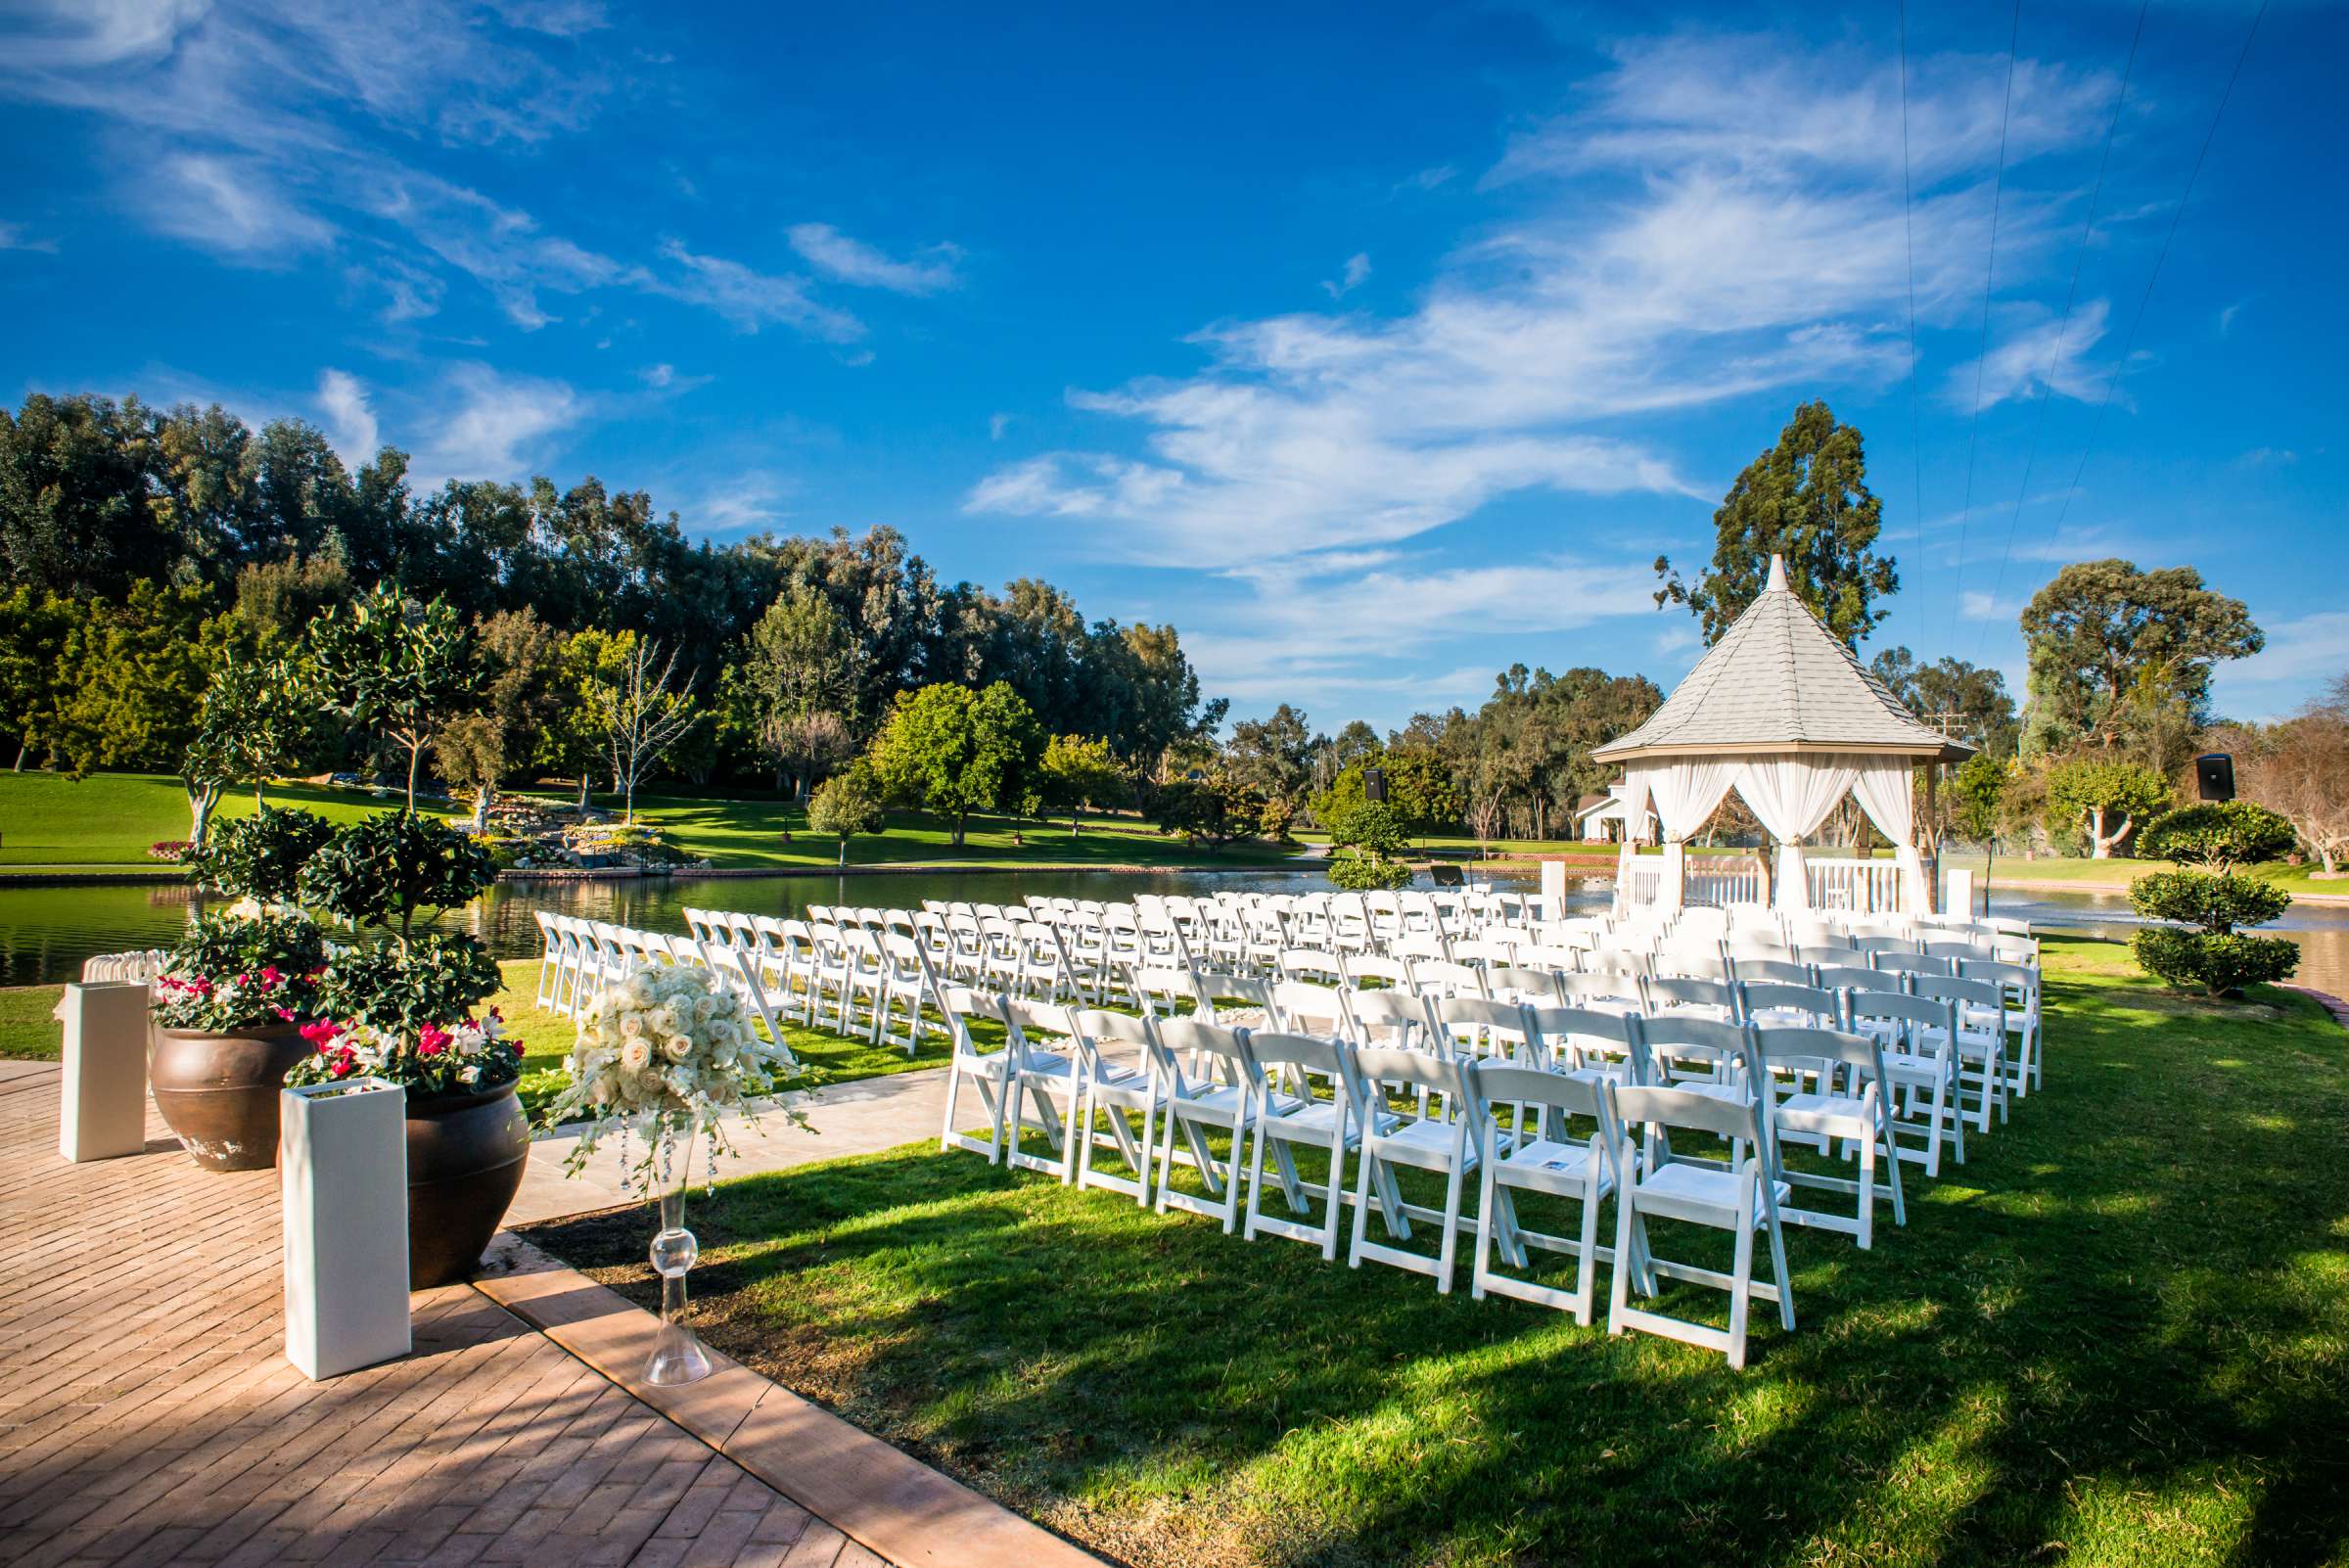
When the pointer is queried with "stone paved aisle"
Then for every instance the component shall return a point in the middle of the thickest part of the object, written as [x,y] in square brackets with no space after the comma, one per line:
[149,1416]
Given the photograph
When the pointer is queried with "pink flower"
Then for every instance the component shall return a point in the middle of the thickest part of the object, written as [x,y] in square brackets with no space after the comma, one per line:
[431,1040]
[321,1034]
[270,976]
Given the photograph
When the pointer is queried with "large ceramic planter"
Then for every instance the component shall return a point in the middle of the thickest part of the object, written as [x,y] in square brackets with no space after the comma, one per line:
[466,1154]
[217,1090]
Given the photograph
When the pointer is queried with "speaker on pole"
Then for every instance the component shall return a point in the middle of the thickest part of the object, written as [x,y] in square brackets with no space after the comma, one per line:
[1374,784]
[2214,776]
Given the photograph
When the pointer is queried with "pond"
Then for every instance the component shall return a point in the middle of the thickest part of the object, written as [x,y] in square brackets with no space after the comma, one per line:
[45,932]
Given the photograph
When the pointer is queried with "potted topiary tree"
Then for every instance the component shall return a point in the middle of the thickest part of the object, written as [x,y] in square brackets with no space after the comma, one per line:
[2209,899]
[232,994]
[398,1005]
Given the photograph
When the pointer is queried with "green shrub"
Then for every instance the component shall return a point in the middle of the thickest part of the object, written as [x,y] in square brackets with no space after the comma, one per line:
[383,868]
[1372,826]
[435,979]
[2216,903]
[2218,835]
[2217,965]
[261,856]
[1360,871]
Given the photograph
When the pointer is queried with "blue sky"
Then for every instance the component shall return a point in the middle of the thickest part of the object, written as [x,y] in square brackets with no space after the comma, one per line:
[1378,347]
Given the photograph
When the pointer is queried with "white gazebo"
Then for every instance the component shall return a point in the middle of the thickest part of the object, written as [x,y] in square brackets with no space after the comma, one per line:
[1782,711]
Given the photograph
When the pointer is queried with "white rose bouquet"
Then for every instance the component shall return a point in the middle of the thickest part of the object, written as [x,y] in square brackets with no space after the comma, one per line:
[660,1053]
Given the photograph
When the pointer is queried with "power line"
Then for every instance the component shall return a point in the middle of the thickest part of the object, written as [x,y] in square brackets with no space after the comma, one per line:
[2175,217]
[1916,455]
[1989,277]
[2038,416]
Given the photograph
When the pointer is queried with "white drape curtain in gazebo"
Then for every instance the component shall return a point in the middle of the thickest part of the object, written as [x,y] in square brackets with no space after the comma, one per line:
[1687,792]
[1791,796]
[1886,788]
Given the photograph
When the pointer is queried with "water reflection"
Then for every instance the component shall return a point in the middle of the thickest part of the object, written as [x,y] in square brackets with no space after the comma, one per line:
[45,932]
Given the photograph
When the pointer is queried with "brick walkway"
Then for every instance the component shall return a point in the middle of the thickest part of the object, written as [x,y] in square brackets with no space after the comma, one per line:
[147,1415]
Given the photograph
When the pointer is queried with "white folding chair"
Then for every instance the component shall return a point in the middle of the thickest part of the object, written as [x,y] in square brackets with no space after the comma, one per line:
[1221,1099]
[1544,1160]
[1285,1122]
[1848,1105]
[1662,1184]
[1113,1089]
[1447,1144]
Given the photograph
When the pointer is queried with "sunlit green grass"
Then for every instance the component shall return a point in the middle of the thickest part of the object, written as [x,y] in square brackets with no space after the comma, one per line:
[2120,1335]
[111,819]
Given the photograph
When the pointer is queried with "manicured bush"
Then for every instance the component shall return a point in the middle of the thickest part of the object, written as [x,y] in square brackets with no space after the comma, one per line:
[384,868]
[261,856]
[1368,834]
[2217,965]
[2218,835]
[2214,904]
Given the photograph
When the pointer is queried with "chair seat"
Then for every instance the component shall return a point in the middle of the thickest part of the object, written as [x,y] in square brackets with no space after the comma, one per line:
[1550,1165]
[1681,1186]
[1825,1113]
[1425,1142]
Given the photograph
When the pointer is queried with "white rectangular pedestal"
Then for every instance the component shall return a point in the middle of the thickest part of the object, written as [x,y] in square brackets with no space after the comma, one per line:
[1554,890]
[343,1156]
[1959,893]
[103,1114]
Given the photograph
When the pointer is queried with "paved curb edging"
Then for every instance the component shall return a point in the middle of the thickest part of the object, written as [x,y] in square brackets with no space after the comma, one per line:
[878,1495]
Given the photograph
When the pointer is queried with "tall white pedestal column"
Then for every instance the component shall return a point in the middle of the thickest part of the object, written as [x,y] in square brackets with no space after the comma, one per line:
[343,1155]
[1959,886]
[1554,890]
[103,1114]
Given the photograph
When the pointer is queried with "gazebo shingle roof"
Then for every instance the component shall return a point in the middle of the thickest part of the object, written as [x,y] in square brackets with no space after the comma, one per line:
[1779,682]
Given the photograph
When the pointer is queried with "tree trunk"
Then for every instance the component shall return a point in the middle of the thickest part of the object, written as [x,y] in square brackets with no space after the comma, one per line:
[628,817]
[482,794]
[23,746]
[582,789]
[260,795]
[202,798]
[2100,843]
[962,822]
[1075,811]
[415,753]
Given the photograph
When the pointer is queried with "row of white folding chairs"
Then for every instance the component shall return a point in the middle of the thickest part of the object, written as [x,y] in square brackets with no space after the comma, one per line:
[1501,1116]
[875,980]
[1993,1049]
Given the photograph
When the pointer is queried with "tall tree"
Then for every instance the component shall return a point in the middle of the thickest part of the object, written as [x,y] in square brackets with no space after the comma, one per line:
[797,669]
[518,666]
[136,674]
[2299,769]
[34,679]
[1971,700]
[642,712]
[395,665]
[954,750]
[1807,500]
[2105,798]
[1274,757]
[2111,647]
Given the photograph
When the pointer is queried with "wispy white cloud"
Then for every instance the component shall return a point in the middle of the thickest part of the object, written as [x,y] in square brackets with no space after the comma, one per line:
[348,416]
[2035,348]
[2301,653]
[258,129]
[852,262]
[997,425]
[498,424]
[749,500]
[2269,457]
[749,299]
[15,237]
[1356,273]
[232,208]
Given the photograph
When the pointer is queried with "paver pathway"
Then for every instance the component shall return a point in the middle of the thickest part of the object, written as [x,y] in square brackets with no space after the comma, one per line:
[147,1415]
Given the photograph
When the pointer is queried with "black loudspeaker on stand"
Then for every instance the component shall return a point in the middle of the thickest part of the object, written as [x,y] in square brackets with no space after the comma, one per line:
[2214,776]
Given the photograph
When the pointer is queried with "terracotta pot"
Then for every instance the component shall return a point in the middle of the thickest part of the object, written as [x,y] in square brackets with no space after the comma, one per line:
[218,1090]
[466,1154]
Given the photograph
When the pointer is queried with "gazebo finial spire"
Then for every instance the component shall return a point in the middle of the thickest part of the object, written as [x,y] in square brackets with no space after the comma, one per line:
[1777,575]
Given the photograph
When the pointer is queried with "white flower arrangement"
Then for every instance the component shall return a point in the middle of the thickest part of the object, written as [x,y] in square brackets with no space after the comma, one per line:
[662,1052]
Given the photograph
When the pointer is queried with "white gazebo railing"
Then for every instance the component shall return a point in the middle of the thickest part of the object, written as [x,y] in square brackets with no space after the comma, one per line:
[1643,883]
[1720,884]
[1853,885]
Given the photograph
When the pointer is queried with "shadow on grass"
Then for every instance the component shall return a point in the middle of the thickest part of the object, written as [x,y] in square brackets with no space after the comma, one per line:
[2120,1335]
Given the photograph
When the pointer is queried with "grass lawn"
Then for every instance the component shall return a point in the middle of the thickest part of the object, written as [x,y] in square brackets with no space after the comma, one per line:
[2119,1336]
[108,819]
[2117,874]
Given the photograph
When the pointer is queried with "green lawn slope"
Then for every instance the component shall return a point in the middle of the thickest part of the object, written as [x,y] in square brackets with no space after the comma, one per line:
[109,820]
